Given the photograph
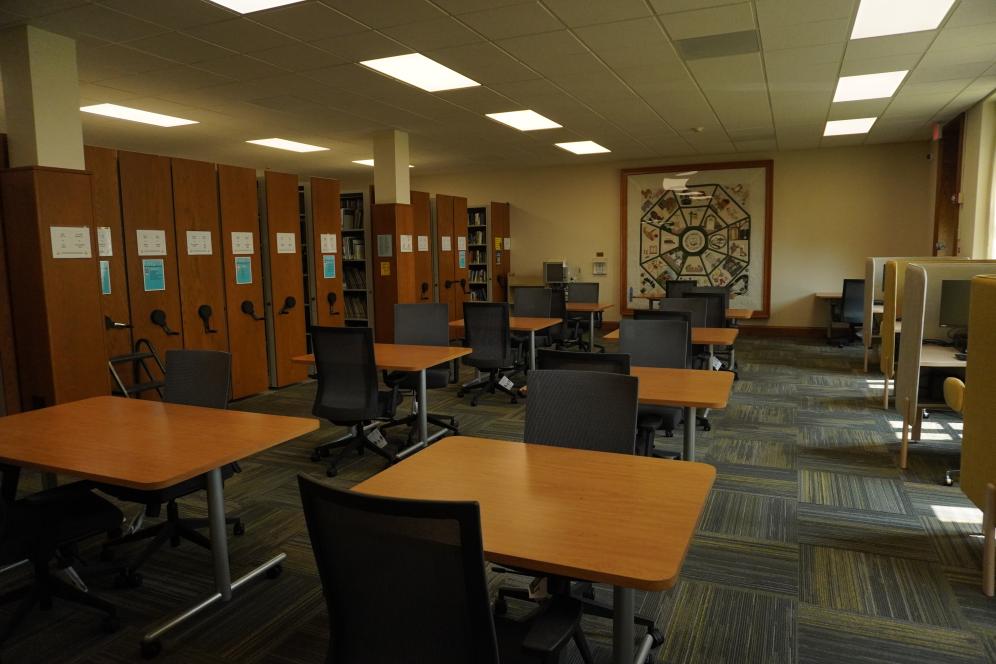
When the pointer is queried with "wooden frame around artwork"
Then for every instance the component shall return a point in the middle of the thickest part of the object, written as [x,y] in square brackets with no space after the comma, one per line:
[767,164]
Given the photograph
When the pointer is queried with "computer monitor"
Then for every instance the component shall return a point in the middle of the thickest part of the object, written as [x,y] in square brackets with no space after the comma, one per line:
[955,295]
[555,272]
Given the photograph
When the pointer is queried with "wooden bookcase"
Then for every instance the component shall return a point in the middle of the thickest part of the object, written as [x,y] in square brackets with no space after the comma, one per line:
[356,278]
[487,255]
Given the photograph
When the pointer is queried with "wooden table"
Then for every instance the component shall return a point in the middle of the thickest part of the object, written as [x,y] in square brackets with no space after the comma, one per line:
[731,314]
[600,517]
[590,308]
[151,445]
[688,389]
[530,324]
[701,336]
[831,299]
[932,356]
[415,359]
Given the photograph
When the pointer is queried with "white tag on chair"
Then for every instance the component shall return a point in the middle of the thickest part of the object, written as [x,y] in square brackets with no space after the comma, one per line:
[377,438]
[538,588]
[506,383]
[715,363]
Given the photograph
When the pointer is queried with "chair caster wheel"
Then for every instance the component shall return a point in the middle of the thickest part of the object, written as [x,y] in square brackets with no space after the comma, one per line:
[274,571]
[110,624]
[501,606]
[128,579]
[239,529]
[657,636]
[948,480]
[106,555]
[151,648]
[331,471]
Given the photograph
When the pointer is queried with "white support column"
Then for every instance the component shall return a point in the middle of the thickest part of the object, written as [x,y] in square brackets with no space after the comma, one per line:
[391,158]
[42,98]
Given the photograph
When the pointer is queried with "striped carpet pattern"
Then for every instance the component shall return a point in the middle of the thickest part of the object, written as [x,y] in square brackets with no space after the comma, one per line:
[813,546]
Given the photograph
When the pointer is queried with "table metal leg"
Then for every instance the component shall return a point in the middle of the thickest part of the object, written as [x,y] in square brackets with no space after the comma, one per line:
[712,356]
[688,452]
[224,586]
[532,350]
[422,397]
[622,625]
[591,331]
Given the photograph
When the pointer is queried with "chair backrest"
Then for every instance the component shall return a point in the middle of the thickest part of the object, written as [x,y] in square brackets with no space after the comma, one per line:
[697,306]
[547,358]
[852,308]
[677,287]
[347,373]
[533,301]
[588,410]
[198,378]
[422,324]
[715,307]
[673,314]
[583,291]
[717,290]
[653,343]
[404,580]
[487,334]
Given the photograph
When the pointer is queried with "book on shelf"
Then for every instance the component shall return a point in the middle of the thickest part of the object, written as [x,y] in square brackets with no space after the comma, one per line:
[355,277]
[352,214]
[353,248]
[476,237]
[478,275]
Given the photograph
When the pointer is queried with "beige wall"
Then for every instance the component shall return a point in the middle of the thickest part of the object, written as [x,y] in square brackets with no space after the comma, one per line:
[978,147]
[832,209]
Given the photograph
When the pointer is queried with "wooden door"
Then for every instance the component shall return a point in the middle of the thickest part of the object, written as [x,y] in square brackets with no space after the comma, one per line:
[202,279]
[240,240]
[150,250]
[501,257]
[326,252]
[285,297]
[102,163]
[946,202]
[423,245]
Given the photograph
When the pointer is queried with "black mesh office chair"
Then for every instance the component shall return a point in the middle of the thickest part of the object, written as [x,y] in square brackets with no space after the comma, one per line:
[852,307]
[590,410]
[716,305]
[684,315]
[697,306]
[532,301]
[678,287]
[404,581]
[568,360]
[486,332]
[193,378]
[46,526]
[421,325]
[564,335]
[656,343]
[348,393]
[585,292]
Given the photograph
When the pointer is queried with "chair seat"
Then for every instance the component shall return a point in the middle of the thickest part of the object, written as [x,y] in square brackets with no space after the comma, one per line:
[436,377]
[668,415]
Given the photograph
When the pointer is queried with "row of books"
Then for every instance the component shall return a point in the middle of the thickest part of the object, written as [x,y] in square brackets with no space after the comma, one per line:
[479,294]
[478,256]
[352,218]
[476,218]
[476,237]
[353,248]
[354,277]
[478,275]
[356,306]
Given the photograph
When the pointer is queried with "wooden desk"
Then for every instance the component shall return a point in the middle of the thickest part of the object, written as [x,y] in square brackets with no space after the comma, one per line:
[530,324]
[415,359]
[689,389]
[932,356]
[731,314]
[600,517]
[150,445]
[590,308]
[832,298]
[702,336]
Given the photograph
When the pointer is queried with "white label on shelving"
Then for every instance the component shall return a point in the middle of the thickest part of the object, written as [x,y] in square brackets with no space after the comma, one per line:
[199,243]
[242,243]
[104,245]
[286,243]
[385,246]
[423,243]
[151,243]
[446,243]
[70,241]
[406,244]
[328,243]
[508,243]
[461,243]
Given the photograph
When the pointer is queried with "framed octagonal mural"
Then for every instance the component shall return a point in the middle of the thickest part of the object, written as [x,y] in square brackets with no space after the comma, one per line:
[708,223]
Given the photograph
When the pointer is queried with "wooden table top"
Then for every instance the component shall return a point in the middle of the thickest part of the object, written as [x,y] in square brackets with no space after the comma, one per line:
[932,355]
[739,314]
[587,307]
[137,443]
[697,388]
[829,295]
[406,357]
[596,516]
[704,336]
[521,323]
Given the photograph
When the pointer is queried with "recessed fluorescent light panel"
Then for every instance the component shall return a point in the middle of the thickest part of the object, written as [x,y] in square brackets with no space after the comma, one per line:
[284,144]
[524,120]
[877,18]
[136,115]
[869,86]
[844,127]
[250,6]
[418,70]
[582,147]
[370,162]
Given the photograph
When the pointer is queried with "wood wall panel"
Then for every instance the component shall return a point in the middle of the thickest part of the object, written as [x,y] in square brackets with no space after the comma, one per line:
[55,304]
[201,277]
[395,283]
[326,219]
[500,270]
[421,227]
[445,261]
[460,230]
[238,204]
[147,204]
[102,163]
[11,401]
[283,215]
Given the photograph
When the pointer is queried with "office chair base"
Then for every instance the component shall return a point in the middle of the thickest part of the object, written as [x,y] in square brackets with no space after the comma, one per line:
[360,443]
[949,477]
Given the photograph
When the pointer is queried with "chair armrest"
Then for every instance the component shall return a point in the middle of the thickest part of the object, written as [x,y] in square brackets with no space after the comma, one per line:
[553,625]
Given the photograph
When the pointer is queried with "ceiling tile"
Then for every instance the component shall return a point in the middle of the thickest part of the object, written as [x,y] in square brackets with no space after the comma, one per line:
[386,13]
[240,35]
[857,66]
[771,13]
[536,47]
[483,62]
[735,87]
[175,15]
[630,43]
[297,56]
[309,21]
[100,62]
[766,145]
[481,100]
[972,12]
[33,8]
[458,7]
[936,56]
[432,34]
[165,80]
[929,73]
[179,47]
[866,108]
[974,35]
[880,47]
[711,21]
[673,6]
[99,22]
[806,34]
[239,67]
[576,13]
[513,21]
[368,45]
